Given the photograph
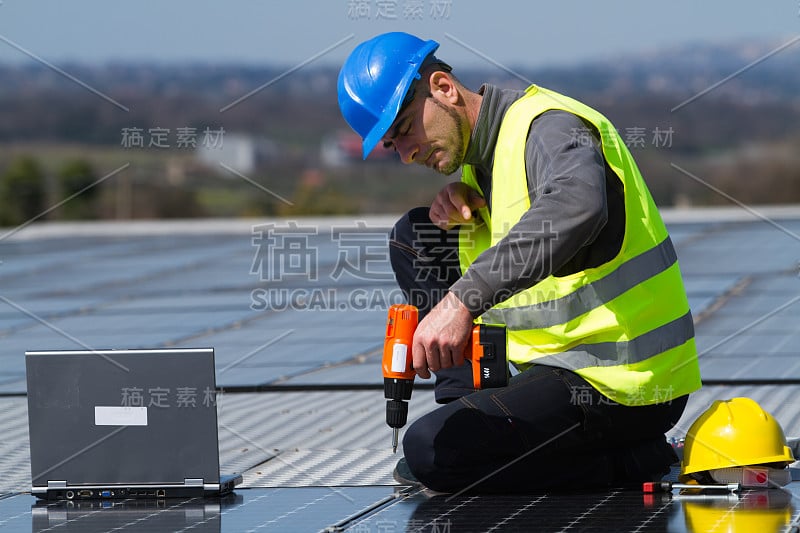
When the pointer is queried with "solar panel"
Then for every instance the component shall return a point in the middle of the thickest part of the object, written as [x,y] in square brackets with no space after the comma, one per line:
[193,290]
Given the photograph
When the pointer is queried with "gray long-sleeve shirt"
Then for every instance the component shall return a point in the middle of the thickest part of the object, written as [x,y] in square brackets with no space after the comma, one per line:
[576,219]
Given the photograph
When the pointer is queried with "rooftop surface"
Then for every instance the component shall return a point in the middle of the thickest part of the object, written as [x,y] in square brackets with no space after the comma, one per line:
[295,311]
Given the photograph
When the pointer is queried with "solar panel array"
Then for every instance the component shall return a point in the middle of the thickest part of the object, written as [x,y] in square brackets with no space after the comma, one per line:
[295,311]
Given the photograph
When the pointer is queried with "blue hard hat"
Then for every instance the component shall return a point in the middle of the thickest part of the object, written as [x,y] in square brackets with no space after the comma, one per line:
[374,81]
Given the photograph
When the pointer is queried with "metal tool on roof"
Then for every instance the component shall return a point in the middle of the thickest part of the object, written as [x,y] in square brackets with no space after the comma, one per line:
[666,486]
[487,352]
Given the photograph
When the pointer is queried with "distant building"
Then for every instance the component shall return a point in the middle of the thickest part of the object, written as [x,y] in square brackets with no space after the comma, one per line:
[241,152]
[344,147]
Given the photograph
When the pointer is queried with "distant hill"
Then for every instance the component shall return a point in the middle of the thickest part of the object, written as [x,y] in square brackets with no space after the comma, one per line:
[700,106]
[195,93]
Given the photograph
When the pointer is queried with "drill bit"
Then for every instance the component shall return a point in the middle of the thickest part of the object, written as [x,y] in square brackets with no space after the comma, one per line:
[395,432]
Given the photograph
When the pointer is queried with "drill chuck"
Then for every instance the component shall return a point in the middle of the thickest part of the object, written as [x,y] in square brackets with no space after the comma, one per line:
[396,413]
[397,389]
[397,392]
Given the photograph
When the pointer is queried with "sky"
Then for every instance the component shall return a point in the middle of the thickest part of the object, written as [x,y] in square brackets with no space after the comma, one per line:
[258,32]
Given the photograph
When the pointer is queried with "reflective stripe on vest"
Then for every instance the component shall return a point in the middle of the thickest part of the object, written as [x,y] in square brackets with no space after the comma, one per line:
[588,297]
[624,326]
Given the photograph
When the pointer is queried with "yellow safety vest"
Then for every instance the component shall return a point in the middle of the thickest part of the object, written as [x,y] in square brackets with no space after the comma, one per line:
[624,326]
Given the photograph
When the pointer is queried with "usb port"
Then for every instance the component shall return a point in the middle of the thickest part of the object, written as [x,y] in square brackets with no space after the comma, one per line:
[106,493]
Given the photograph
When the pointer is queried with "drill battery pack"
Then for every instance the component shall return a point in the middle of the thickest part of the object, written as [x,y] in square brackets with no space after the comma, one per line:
[489,357]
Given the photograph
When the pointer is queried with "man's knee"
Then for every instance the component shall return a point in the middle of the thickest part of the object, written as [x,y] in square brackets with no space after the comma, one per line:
[402,250]
[403,231]
[437,447]
[424,456]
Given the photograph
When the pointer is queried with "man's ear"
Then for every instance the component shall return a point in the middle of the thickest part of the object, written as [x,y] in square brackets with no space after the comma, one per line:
[443,87]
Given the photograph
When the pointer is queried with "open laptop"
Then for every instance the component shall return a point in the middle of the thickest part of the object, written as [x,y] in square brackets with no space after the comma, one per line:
[124,424]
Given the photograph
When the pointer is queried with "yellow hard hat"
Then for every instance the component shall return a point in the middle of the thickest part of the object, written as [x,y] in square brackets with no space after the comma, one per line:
[731,433]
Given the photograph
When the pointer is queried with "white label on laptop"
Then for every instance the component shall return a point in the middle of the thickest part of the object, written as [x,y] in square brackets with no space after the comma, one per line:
[120,416]
[399,353]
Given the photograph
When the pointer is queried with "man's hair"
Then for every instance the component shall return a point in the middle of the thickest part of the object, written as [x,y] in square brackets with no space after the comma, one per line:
[431,61]
[432,64]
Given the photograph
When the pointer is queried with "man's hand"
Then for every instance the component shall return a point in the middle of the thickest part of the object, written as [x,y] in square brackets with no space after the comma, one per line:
[454,204]
[441,337]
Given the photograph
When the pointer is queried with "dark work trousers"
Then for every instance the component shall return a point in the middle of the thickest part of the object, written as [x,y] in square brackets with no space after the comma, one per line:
[547,430]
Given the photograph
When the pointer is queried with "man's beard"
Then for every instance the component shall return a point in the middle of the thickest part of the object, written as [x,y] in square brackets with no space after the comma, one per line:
[459,150]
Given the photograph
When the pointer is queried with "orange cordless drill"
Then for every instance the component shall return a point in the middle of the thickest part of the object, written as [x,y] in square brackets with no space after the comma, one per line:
[487,351]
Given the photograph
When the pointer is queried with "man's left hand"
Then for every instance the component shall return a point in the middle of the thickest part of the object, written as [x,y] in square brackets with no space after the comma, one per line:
[441,337]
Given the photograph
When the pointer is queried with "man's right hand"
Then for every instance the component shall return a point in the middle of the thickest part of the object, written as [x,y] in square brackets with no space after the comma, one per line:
[454,204]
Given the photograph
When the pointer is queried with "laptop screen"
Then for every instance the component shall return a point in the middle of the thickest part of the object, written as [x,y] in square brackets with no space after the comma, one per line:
[124,417]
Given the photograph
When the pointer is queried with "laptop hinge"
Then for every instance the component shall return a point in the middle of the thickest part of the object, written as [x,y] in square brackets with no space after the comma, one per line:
[56,484]
[193,482]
